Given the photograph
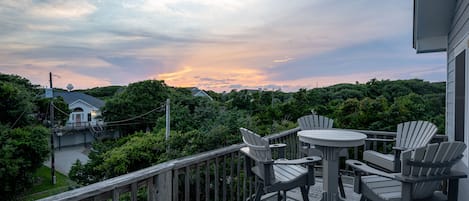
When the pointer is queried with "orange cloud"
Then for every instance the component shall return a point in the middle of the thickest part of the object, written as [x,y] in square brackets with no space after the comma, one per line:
[175,75]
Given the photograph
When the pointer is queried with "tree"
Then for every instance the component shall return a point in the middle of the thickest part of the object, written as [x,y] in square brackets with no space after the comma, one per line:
[103,93]
[43,108]
[137,99]
[16,104]
[22,151]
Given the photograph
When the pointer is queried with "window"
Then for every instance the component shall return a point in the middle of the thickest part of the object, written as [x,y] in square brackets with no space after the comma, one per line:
[89,116]
[78,109]
[460,93]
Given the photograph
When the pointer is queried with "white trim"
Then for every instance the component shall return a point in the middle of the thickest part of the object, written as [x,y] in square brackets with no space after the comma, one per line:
[84,102]
[432,44]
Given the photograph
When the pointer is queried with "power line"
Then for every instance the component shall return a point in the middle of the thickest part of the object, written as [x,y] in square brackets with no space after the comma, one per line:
[68,114]
[18,119]
[136,117]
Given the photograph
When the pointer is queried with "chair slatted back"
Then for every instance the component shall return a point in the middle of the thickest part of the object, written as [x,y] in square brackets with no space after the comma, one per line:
[431,160]
[260,152]
[314,121]
[415,134]
[258,147]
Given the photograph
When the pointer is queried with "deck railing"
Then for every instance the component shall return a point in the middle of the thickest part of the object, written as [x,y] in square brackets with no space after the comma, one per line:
[213,175]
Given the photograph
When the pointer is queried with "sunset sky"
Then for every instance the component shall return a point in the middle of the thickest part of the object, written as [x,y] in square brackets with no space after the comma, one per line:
[215,45]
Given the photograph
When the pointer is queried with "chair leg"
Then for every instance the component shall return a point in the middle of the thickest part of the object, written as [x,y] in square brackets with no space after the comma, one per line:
[304,193]
[341,186]
[362,198]
[259,192]
[279,196]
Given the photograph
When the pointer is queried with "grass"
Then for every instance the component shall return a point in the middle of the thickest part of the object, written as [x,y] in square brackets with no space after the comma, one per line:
[43,186]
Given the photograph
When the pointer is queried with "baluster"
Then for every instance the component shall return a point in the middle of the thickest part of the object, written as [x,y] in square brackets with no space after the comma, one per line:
[207,181]
[115,195]
[176,185]
[197,183]
[224,179]
[217,194]
[375,144]
[238,174]
[151,189]
[232,176]
[134,191]
[187,184]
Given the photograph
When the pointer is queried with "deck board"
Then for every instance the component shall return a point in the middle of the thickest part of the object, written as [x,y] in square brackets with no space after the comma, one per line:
[315,193]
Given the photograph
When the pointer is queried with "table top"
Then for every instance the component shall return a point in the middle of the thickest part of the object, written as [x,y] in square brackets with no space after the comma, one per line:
[332,137]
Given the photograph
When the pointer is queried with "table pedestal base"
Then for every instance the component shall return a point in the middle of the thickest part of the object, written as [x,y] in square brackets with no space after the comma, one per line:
[330,173]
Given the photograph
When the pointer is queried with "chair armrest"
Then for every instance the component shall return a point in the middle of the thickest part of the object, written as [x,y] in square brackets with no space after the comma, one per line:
[380,140]
[362,167]
[305,160]
[279,145]
[451,175]
[247,153]
[280,148]
[400,148]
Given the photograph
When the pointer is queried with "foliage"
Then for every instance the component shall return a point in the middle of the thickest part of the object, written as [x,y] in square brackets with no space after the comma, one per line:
[22,151]
[103,93]
[43,187]
[137,99]
[16,104]
[199,124]
[60,115]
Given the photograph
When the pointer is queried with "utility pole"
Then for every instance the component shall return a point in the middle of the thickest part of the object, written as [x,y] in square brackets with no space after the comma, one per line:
[52,161]
[167,122]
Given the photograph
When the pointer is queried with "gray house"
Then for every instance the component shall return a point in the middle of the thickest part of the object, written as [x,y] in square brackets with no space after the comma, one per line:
[443,25]
[200,93]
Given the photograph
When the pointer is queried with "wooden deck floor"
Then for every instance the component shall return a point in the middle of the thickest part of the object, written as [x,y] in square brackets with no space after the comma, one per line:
[315,193]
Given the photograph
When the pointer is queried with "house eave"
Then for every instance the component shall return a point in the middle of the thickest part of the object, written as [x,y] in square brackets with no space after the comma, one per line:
[431,24]
[84,102]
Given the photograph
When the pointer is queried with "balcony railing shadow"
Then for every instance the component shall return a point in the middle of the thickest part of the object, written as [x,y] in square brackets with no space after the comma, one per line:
[214,175]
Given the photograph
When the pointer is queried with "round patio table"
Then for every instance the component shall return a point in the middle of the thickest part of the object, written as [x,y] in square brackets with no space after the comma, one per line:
[330,142]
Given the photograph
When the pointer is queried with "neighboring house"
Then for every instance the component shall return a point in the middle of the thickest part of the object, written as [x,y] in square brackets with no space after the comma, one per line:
[443,25]
[84,109]
[200,93]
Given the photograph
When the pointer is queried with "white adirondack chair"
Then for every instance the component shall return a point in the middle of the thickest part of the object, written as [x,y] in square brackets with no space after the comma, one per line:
[423,170]
[410,135]
[275,175]
[312,122]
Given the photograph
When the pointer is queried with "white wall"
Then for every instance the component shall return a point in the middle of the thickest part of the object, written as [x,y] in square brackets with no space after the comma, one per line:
[87,109]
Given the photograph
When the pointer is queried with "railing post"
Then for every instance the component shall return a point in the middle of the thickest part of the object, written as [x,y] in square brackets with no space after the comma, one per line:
[151,196]
[164,186]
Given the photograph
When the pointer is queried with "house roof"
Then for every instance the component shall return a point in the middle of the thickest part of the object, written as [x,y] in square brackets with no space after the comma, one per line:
[197,92]
[71,97]
[432,23]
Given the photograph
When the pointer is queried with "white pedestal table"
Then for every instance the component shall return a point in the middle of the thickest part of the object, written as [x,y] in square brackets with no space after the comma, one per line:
[330,142]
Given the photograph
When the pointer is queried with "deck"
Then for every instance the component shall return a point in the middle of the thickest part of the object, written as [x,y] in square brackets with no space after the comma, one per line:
[315,193]
[214,175]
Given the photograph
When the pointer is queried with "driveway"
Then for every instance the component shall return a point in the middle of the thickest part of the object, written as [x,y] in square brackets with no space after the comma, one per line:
[65,157]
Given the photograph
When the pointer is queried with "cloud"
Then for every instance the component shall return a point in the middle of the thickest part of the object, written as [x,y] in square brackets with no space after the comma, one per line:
[39,74]
[282,60]
[36,27]
[212,44]
[62,9]
[175,75]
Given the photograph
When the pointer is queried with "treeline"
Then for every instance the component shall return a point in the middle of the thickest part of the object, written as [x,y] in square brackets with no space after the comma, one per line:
[23,133]
[200,124]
